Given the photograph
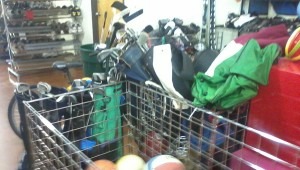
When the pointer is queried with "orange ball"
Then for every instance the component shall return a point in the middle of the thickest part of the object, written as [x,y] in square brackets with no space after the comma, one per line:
[102,165]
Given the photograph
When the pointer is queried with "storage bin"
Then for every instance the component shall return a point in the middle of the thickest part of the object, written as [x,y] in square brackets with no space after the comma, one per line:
[90,62]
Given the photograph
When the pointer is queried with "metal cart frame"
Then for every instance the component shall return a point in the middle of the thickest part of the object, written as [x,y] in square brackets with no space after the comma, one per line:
[200,138]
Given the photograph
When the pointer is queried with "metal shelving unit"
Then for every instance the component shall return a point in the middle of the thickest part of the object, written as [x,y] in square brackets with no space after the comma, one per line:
[209,22]
[39,63]
[39,36]
[3,42]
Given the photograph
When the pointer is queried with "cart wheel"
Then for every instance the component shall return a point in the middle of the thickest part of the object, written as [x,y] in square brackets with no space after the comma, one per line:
[24,162]
[14,116]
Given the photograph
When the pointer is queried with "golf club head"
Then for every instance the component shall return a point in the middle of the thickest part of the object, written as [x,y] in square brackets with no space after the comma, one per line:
[113,75]
[103,55]
[169,27]
[120,34]
[78,84]
[130,17]
[99,47]
[99,77]
[22,87]
[131,33]
[116,26]
[59,65]
[121,45]
[120,15]
[72,98]
[118,5]
[43,87]
[111,53]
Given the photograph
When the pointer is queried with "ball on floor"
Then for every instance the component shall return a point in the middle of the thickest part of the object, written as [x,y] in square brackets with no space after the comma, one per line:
[103,164]
[132,162]
[164,162]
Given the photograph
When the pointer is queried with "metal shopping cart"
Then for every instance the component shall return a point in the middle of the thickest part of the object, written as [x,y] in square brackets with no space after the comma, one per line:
[143,121]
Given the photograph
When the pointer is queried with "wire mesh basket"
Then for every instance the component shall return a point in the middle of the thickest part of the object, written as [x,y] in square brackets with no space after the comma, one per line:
[71,130]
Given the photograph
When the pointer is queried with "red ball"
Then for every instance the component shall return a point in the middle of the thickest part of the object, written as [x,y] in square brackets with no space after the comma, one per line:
[103,165]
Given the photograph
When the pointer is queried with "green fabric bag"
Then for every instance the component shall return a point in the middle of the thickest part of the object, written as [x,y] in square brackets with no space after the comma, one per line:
[235,80]
[106,119]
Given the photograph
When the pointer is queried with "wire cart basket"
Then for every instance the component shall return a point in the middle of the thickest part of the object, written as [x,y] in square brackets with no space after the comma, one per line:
[71,130]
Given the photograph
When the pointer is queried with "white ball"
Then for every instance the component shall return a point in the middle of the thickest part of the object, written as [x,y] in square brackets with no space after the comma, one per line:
[132,162]
[164,162]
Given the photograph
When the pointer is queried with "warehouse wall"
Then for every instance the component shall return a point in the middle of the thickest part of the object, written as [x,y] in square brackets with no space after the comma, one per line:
[189,11]
[87,37]
[224,7]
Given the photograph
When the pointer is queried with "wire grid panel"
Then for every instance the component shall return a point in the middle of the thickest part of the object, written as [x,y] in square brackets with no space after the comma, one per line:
[113,120]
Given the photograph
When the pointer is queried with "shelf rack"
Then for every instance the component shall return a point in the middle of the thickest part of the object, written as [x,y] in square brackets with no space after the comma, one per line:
[3,41]
[35,47]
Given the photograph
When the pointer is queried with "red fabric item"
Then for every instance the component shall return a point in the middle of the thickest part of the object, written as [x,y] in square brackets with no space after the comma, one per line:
[29,15]
[273,34]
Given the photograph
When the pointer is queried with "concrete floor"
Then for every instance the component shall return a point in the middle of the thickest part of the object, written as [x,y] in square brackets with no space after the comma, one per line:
[11,147]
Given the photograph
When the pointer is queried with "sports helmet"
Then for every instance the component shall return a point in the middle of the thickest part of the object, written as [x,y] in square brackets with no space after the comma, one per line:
[292,47]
